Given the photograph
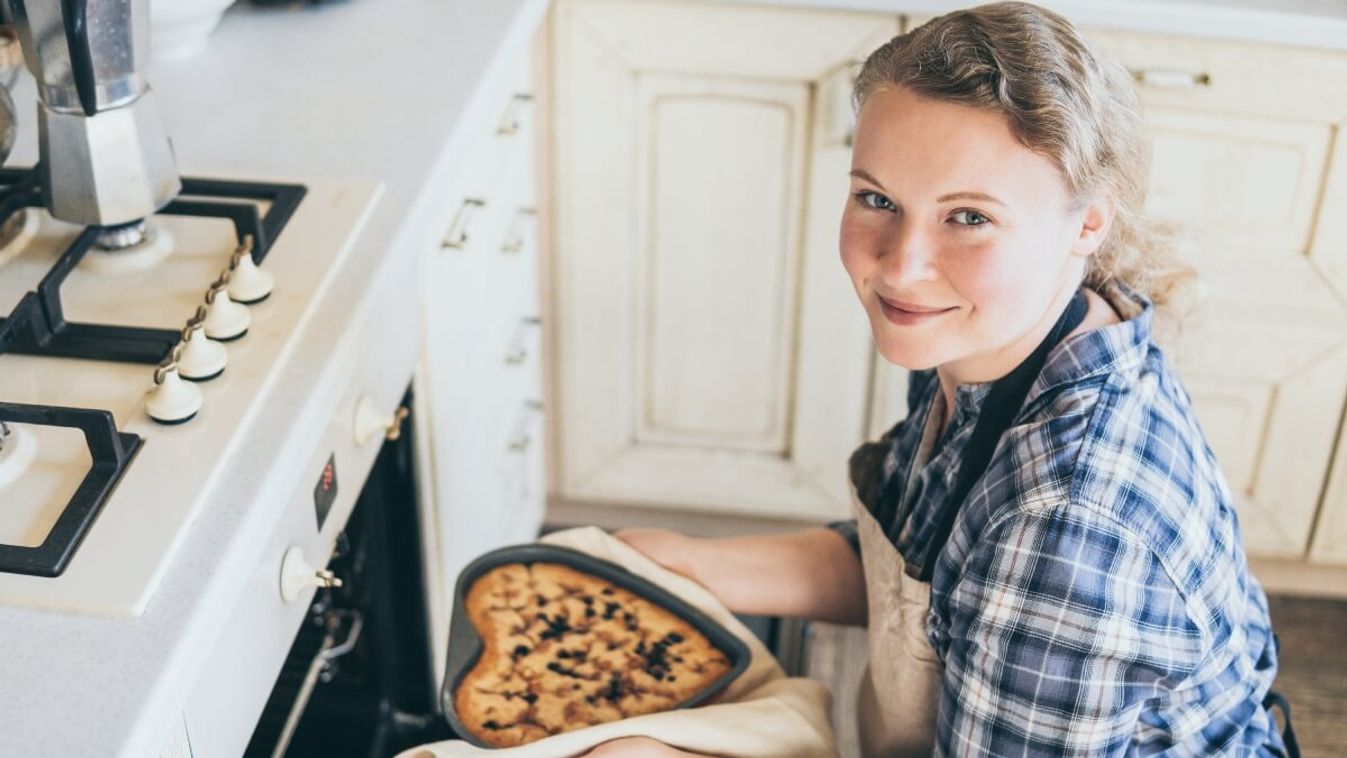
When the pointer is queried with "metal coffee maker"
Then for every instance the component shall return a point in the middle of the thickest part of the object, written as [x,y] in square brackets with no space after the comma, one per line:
[105,158]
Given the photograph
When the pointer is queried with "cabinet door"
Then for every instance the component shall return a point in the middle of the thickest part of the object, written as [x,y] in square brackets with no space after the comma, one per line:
[1241,163]
[709,350]
[1330,533]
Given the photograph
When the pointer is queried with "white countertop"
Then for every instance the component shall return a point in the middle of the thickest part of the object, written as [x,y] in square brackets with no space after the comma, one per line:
[363,90]
[373,90]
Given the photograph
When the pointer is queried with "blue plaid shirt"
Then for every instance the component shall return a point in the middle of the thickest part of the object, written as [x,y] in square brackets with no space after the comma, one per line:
[1093,598]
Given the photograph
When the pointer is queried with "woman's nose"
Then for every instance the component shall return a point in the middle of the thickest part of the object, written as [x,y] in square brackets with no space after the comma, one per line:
[908,256]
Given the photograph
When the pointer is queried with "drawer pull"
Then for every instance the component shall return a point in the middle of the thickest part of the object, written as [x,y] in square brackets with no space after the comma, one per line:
[515,113]
[519,351]
[459,231]
[522,439]
[1168,78]
[520,227]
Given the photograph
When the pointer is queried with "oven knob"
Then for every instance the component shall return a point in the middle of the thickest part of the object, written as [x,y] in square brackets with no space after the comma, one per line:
[249,284]
[171,400]
[297,574]
[225,319]
[202,357]
[370,423]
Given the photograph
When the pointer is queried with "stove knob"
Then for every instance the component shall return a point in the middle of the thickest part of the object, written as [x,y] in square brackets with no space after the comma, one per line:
[171,400]
[370,423]
[297,574]
[202,357]
[249,284]
[225,320]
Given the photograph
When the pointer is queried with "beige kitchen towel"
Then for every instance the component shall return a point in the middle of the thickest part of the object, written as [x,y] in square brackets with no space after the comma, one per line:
[761,714]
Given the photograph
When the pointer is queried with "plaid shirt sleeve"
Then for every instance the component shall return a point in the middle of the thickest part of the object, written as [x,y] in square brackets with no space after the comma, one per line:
[1061,624]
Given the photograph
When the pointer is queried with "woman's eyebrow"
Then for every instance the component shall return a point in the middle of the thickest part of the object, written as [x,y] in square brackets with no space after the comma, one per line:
[861,173]
[969,196]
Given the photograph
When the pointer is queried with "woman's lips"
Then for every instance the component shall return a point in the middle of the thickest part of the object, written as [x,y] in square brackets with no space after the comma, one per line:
[908,314]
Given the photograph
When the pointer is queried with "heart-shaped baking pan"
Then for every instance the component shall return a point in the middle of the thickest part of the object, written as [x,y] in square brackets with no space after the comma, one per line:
[465,645]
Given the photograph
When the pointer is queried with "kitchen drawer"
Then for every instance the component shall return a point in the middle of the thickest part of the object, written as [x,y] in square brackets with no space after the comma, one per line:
[1226,76]
[504,252]
[490,166]
[1279,81]
[481,209]
[520,475]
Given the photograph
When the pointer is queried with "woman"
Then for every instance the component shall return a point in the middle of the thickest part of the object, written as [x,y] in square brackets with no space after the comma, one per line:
[1045,547]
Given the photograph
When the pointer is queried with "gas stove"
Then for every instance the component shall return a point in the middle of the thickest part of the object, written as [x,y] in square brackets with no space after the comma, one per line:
[106,451]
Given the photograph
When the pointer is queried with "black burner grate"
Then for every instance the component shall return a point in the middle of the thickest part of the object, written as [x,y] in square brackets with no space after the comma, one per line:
[110,450]
[37,326]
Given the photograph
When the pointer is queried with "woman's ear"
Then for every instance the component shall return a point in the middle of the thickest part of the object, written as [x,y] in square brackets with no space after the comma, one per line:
[1091,225]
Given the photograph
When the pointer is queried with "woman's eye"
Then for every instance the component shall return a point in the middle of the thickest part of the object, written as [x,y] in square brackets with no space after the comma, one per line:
[874,200]
[974,219]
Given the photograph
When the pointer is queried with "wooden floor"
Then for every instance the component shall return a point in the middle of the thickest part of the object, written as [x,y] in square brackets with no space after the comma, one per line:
[1313,671]
[1312,674]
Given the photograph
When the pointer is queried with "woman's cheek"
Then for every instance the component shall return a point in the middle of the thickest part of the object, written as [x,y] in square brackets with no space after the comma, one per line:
[856,244]
[980,271]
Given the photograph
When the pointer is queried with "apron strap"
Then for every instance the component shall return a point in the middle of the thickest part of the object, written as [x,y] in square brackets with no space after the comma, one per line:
[998,411]
[1274,698]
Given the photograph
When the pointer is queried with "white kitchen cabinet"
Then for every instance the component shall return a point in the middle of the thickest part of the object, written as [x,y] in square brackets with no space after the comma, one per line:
[479,385]
[709,351]
[1330,535]
[1241,162]
[1251,162]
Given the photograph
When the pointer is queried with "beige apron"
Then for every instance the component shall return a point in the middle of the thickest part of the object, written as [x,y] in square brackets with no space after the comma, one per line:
[896,705]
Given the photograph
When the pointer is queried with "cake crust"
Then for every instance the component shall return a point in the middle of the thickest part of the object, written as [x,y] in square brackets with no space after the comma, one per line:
[563,649]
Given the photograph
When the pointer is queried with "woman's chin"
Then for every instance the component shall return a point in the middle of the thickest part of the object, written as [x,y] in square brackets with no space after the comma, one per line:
[909,358]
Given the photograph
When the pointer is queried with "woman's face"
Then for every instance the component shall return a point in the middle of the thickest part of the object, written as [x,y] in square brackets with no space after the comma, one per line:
[957,237]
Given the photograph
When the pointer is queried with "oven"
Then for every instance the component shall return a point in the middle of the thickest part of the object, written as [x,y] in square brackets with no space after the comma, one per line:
[358,677]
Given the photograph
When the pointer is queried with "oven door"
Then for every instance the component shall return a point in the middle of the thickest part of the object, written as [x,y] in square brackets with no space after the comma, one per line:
[358,680]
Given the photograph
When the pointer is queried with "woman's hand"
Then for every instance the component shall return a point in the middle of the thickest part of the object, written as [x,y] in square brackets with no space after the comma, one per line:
[636,747]
[811,574]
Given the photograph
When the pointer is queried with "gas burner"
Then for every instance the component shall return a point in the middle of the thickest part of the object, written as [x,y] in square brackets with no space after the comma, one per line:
[110,452]
[16,453]
[53,484]
[38,326]
[122,236]
[16,232]
[144,247]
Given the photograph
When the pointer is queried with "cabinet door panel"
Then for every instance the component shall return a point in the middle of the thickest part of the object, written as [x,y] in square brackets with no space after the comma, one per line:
[1237,183]
[716,344]
[709,351]
[1329,252]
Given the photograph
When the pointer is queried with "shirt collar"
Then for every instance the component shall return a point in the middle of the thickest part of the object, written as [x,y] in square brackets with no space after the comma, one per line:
[1120,347]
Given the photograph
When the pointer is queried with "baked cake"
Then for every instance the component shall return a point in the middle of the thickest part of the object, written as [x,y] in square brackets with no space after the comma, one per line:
[564,650]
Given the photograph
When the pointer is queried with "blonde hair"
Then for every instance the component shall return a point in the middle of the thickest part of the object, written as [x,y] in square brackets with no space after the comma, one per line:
[1063,100]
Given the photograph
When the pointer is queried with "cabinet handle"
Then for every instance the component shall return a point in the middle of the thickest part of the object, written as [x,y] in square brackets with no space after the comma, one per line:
[519,351]
[457,236]
[1168,78]
[522,439]
[517,237]
[515,112]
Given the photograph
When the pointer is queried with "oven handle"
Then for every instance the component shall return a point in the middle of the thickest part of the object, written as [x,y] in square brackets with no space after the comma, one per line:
[352,637]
